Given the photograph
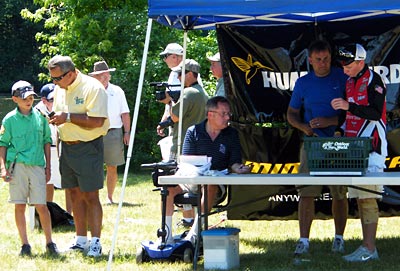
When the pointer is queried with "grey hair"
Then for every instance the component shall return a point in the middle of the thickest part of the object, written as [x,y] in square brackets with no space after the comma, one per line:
[65,63]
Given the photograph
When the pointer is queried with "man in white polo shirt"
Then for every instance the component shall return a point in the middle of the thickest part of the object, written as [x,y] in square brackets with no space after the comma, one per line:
[118,114]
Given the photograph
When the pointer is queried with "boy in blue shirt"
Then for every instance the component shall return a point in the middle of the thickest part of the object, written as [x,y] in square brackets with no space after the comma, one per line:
[25,162]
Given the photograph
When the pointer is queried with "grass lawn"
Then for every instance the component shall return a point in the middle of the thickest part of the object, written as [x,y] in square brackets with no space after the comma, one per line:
[264,245]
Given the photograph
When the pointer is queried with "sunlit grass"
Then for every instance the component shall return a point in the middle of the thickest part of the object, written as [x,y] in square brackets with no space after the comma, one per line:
[264,245]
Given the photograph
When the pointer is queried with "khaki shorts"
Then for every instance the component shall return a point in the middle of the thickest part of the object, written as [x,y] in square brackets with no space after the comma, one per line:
[28,185]
[337,192]
[376,163]
[114,148]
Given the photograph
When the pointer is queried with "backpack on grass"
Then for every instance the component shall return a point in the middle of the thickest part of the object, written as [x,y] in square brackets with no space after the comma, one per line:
[59,217]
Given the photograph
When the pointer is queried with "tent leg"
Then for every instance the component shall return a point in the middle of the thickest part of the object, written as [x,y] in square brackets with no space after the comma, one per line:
[132,138]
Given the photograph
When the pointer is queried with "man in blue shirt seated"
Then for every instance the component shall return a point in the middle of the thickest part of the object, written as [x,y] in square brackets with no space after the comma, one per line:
[216,139]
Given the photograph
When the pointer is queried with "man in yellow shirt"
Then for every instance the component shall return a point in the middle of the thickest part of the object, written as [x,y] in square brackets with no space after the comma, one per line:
[80,106]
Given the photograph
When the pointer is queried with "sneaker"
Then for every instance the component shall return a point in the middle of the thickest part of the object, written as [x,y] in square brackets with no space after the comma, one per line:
[77,247]
[52,249]
[362,254]
[301,249]
[94,249]
[25,250]
[185,224]
[338,245]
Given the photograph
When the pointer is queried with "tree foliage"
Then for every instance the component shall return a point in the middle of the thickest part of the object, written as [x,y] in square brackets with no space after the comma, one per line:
[19,55]
[114,30]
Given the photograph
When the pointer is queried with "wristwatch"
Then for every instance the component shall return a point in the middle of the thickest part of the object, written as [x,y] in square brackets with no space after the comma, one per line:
[68,119]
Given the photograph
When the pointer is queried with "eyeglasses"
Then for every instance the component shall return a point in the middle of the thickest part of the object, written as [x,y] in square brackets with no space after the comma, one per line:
[21,90]
[59,78]
[222,114]
[50,100]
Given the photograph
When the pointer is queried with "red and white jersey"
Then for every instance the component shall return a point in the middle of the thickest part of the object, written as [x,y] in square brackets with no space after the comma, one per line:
[366,116]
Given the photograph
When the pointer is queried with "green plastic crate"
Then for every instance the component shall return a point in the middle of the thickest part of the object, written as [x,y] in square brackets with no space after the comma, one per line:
[337,155]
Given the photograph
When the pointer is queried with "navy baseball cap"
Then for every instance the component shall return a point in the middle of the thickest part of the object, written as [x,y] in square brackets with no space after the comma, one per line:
[46,91]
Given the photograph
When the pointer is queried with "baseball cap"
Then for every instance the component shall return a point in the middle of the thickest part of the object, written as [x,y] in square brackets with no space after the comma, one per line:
[190,66]
[172,48]
[214,58]
[350,53]
[47,91]
[22,89]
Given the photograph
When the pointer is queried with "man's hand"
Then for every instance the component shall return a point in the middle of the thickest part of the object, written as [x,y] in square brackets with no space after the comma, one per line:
[339,103]
[240,168]
[160,131]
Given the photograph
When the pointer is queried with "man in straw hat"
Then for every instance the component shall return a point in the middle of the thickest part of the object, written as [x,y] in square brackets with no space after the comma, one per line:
[118,115]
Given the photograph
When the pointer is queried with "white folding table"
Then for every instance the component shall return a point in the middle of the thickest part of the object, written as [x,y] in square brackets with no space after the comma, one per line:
[382,178]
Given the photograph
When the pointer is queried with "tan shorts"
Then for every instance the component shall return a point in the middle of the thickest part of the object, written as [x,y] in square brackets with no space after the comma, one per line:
[337,192]
[376,163]
[114,147]
[28,185]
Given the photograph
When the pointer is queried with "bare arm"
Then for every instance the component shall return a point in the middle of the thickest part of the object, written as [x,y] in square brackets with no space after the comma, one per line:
[126,120]
[82,120]
[4,171]
[293,116]
[47,156]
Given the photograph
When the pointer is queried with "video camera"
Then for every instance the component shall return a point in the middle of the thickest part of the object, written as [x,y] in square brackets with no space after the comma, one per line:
[160,91]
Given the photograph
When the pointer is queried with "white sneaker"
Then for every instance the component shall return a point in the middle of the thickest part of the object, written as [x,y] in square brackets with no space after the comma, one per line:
[338,245]
[300,249]
[362,254]
[94,249]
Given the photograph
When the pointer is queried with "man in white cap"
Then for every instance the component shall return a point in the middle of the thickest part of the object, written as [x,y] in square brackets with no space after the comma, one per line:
[194,103]
[118,114]
[216,69]
[172,56]
[365,104]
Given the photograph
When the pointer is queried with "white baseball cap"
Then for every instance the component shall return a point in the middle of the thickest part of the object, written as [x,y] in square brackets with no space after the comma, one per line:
[172,48]
[214,58]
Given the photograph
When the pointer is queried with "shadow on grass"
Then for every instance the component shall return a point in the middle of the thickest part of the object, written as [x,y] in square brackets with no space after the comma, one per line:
[124,204]
[279,255]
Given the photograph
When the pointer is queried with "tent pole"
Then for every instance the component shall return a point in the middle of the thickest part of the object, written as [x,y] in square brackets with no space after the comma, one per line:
[181,96]
[132,138]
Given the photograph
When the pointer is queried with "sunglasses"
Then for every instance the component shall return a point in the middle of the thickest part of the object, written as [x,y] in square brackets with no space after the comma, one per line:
[59,78]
